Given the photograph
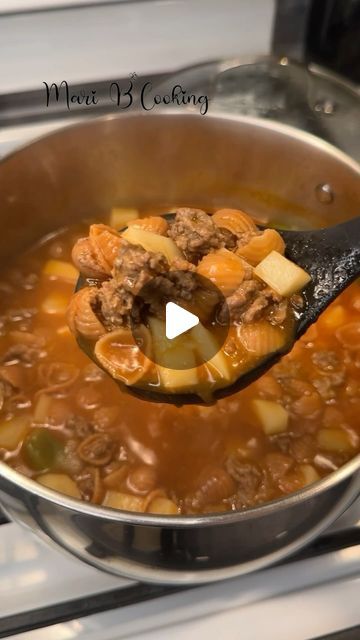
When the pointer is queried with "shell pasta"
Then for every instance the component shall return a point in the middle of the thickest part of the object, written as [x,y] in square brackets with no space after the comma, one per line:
[208,265]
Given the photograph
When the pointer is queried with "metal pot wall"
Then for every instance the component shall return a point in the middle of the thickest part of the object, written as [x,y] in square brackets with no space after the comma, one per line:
[168,159]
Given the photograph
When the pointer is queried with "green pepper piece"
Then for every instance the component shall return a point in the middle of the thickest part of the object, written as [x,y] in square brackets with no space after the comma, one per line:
[40,449]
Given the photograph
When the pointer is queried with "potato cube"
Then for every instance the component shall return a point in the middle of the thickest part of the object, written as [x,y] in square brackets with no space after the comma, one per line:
[120,217]
[310,474]
[282,275]
[125,501]
[163,506]
[60,482]
[152,242]
[334,440]
[13,431]
[178,379]
[271,415]
[178,369]
[333,317]
[62,270]
[206,346]
[55,304]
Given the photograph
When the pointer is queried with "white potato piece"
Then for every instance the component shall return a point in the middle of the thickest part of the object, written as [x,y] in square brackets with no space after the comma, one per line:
[13,431]
[55,304]
[282,275]
[310,474]
[60,482]
[178,379]
[163,506]
[125,501]
[334,440]
[272,417]
[153,242]
[206,345]
[42,408]
[58,269]
[178,370]
[121,216]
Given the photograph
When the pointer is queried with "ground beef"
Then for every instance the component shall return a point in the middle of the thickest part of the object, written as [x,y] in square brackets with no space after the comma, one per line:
[326,361]
[247,475]
[134,267]
[142,282]
[327,385]
[114,305]
[79,426]
[245,237]
[23,353]
[195,233]
[229,239]
[180,264]
[252,301]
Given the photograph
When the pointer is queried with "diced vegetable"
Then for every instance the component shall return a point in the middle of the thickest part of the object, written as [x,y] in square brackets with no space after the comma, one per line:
[206,346]
[60,482]
[271,415]
[13,431]
[120,217]
[334,440]
[163,506]
[175,353]
[41,449]
[42,407]
[310,474]
[178,363]
[153,242]
[125,501]
[178,379]
[62,270]
[282,275]
[55,304]
[333,317]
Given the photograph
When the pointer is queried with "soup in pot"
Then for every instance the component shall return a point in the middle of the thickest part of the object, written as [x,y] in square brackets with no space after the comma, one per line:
[65,423]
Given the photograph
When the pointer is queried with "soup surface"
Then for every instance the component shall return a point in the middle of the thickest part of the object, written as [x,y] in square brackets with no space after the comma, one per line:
[65,423]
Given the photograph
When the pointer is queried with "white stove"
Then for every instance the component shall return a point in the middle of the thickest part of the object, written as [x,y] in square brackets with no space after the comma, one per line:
[47,595]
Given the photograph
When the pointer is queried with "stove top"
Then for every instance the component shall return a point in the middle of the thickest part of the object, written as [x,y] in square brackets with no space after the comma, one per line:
[46,593]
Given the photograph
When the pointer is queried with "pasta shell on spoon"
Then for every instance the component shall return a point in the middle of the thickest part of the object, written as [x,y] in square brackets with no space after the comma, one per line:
[259,246]
[119,353]
[155,224]
[234,220]
[81,318]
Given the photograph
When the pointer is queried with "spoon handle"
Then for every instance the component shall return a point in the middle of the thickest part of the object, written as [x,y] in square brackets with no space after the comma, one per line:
[332,257]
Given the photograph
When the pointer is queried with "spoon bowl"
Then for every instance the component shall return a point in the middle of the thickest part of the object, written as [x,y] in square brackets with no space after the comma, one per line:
[331,256]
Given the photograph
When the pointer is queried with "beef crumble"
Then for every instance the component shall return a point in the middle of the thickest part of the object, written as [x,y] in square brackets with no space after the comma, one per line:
[194,232]
[251,301]
[135,269]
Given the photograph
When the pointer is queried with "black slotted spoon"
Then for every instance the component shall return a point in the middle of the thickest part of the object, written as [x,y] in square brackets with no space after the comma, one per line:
[332,258]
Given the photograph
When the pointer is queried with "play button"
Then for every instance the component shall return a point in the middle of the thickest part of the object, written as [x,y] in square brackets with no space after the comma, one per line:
[178,320]
[181,315]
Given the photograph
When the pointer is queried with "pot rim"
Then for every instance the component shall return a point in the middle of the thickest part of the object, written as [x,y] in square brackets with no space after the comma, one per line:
[184,521]
[167,112]
[179,521]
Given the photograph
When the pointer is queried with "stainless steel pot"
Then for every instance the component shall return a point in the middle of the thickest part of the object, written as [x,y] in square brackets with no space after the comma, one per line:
[167,159]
